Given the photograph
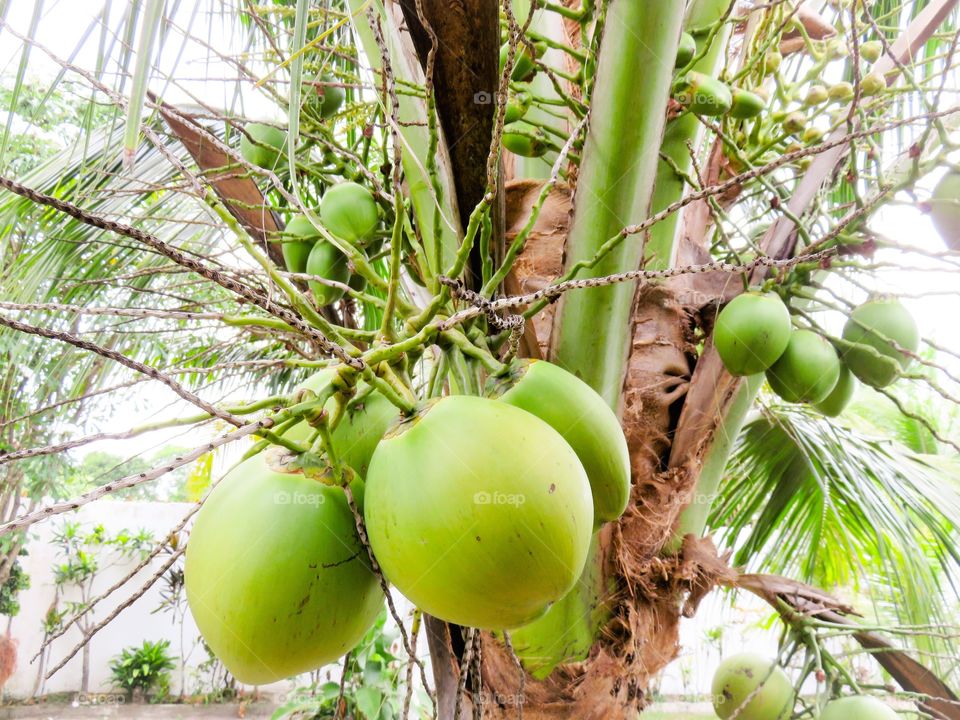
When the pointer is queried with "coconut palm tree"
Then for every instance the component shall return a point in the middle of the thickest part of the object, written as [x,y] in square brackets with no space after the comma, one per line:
[596,198]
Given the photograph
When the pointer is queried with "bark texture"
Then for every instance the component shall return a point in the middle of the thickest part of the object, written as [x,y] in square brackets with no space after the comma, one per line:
[465,77]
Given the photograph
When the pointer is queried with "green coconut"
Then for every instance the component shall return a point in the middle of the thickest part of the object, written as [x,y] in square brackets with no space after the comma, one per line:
[808,370]
[686,50]
[703,95]
[325,98]
[752,332]
[746,104]
[858,707]
[752,687]
[300,238]
[479,512]
[841,395]
[586,422]
[349,211]
[276,577]
[879,337]
[264,146]
[945,209]
[328,262]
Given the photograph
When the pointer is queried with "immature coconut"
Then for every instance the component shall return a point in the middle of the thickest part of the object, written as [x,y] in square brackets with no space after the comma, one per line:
[264,146]
[735,689]
[686,50]
[752,332]
[945,208]
[586,422]
[276,577]
[349,211]
[479,512]
[703,95]
[525,140]
[807,371]
[300,238]
[746,104]
[841,395]
[365,420]
[880,335]
[328,262]
[858,707]
[326,97]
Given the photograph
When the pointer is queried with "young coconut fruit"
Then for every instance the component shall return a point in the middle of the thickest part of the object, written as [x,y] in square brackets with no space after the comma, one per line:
[877,334]
[945,208]
[479,512]
[300,238]
[807,371]
[752,332]
[858,707]
[327,262]
[525,140]
[264,146]
[686,50]
[517,107]
[326,97]
[746,104]
[703,95]
[586,422]
[524,67]
[841,395]
[362,426]
[349,211]
[276,577]
[752,687]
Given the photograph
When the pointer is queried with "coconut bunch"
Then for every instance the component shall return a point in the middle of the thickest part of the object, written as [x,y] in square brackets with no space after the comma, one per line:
[754,334]
[480,510]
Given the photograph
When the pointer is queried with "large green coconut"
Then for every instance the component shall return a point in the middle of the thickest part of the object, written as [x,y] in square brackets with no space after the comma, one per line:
[276,577]
[586,422]
[327,262]
[807,371]
[752,332]
[349,211]
[880,336]
[479,512]
[858,707]
[752,687]
[300,237]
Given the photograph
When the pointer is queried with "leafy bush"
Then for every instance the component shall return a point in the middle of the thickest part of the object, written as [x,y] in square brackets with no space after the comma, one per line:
[143,667]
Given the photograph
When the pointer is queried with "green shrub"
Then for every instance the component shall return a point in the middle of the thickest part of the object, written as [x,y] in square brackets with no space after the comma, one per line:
[143,667]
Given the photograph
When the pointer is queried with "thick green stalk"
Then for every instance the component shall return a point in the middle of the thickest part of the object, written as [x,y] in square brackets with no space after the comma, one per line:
[617,176]
[684,132]
[693,519]
[592,339]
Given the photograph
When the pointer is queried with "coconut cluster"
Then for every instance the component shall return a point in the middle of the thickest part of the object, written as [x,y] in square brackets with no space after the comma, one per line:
[480,510]
[754,333]
[748,686]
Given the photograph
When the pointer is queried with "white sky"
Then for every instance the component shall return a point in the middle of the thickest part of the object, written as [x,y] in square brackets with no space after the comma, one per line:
[932,297]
